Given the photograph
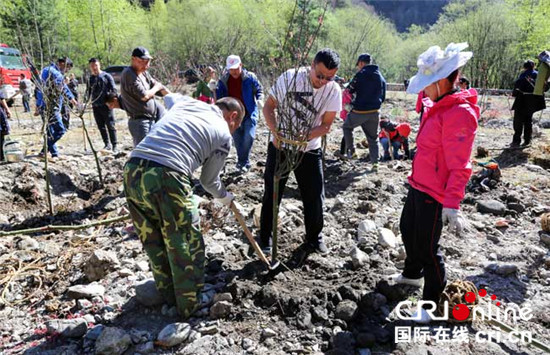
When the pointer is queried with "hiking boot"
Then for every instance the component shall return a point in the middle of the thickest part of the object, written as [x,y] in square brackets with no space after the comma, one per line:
[115,149]
[514,145]
[526,144]
[108,146]
[375,167]
[400,279]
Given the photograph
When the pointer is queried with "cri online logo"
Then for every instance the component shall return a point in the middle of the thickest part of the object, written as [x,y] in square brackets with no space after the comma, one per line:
[461,311]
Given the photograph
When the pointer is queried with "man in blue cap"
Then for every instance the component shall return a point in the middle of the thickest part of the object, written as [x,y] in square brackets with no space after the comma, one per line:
[368,88]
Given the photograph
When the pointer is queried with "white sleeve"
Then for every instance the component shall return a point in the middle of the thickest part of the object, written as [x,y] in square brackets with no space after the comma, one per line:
[334,100]
[279,89]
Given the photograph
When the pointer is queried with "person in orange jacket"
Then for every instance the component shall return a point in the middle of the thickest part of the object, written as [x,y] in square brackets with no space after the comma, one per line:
[397,135]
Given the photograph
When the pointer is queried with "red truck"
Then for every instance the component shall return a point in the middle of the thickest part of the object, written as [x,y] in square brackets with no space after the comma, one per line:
[11,68]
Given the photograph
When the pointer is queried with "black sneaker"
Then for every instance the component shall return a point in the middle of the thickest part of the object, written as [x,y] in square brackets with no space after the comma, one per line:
[526,144]
[319,247]
[514,145]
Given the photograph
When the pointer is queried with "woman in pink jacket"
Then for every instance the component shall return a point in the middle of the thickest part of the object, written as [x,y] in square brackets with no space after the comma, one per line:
[440,170]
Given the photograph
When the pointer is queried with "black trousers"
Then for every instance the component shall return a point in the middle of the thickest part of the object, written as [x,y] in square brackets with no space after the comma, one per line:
[2,146]
[105,120]
[523,123]
[421,226]
[309,175]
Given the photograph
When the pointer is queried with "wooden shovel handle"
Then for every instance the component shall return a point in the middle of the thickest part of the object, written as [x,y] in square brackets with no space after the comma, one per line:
[248,234]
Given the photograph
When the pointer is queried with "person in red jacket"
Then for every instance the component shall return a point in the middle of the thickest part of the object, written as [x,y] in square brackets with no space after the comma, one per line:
[440,171]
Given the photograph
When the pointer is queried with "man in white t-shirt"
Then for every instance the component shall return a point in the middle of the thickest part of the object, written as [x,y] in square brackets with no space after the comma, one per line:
[311,97]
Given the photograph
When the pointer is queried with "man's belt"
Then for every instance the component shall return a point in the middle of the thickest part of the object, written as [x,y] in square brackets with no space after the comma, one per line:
[142,118]
[368,111]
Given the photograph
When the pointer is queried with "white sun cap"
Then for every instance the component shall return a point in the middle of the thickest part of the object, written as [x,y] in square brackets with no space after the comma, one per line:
[436,64]
[233,62]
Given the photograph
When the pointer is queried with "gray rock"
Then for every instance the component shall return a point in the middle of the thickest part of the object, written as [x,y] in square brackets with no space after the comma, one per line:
[95,332]
[215,249]
[319,314]
[518,207]
[223,297]
[140,336]
[269,295]
[303,319]
[147,293]
[86,291]
[247,344]
[346,310]
[366,228]
[545,238]
[143,265]
[545,123]
[28,243]
[491,206]
[146,348]
[112,341]
[173,334]
[268,333]
[502,269]
[386,238]
[208,330]
[70,328]
[358,258]
[100,263]
[220,309]
[206,345]
[506,269]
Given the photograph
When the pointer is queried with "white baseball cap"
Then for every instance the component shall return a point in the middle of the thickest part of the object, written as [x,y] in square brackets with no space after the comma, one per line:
[233,62]
[436,64]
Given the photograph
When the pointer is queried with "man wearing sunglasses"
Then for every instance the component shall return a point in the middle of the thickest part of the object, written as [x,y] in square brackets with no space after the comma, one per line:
[308,93]
[368,88]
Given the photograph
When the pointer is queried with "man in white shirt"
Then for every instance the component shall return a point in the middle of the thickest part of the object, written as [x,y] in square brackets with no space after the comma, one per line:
[302,94]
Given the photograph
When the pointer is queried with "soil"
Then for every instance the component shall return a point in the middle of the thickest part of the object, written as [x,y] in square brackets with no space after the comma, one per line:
[309,304]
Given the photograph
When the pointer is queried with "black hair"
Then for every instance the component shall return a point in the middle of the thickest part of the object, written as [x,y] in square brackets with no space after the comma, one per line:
[465,80]
[93,60]
[528,64]
[110,96]
[452,77]
[231,104]
[328,57]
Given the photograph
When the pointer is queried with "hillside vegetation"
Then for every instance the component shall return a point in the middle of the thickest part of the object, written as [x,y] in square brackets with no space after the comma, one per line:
[181,34]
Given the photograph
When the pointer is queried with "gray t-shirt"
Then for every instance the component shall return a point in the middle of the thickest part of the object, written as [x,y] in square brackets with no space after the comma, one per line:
[26,86]
[191,134]
[133,88]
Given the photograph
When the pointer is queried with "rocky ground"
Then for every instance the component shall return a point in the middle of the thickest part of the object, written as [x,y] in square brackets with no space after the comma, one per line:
[90,290]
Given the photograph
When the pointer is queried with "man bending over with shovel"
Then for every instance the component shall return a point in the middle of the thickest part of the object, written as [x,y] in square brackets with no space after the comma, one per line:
[158,189]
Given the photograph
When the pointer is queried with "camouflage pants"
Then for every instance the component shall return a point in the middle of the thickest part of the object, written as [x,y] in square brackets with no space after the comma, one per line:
[166,218]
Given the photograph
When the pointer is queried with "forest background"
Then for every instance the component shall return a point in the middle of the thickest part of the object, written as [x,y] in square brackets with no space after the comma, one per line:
[186,33]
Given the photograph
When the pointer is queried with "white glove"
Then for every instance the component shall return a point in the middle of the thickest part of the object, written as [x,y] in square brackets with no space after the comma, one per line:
[260,104]
[212,84]
[227,199]
[454,217]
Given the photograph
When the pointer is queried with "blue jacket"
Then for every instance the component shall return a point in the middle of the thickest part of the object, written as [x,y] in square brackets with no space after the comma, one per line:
[369,89]
[53,81]
[252,91]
